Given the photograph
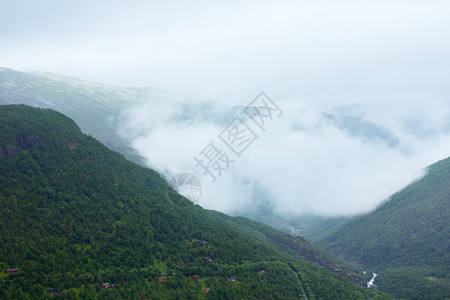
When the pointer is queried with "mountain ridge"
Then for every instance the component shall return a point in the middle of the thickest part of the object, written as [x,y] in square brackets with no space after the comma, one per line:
[76,214]
[409,231]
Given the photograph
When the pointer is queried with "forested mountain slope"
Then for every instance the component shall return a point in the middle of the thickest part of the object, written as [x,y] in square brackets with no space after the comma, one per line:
[75,215]
[298,246]
[407,239]
[96,108]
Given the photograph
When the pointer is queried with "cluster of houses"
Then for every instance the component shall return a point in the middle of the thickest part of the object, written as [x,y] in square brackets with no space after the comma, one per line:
[107,285]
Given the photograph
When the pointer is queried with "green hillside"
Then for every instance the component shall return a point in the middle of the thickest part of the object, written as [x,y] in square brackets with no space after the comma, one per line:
[298,246]
[75,215]
[407,239]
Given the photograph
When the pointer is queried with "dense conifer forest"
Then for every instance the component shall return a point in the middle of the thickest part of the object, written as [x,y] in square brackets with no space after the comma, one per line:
[76,216]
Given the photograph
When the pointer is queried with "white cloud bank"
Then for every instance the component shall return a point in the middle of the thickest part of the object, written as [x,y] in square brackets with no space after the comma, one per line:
[302,163]
[309,56]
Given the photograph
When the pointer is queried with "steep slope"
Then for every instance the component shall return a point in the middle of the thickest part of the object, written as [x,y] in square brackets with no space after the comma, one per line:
[75,214]
[297,246]
[407,239]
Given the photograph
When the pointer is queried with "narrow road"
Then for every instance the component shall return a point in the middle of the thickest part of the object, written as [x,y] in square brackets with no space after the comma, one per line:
[296,276]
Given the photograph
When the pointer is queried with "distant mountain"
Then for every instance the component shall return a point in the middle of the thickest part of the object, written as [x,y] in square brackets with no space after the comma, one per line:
[79,220]
[99,108]
[362,129]
[406,240]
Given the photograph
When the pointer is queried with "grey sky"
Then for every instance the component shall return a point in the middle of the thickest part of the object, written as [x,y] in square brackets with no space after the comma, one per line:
[389,56]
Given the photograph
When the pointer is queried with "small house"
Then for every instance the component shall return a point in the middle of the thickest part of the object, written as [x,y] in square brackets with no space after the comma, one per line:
[208,258]
[262,272]
[106,285]
[207,290]
[53,291]
[232,278]
[14,270]
[201,242]
[161,279]
[182,264]
[195,277]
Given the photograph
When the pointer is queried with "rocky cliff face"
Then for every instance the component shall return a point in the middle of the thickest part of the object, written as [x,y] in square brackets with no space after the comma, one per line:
[26,141]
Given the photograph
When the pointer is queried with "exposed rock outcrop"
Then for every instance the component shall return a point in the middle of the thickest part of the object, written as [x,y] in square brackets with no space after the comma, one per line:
[27,141]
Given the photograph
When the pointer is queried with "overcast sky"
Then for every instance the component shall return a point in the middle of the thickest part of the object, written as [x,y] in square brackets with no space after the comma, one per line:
[320,49]
[391,57]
